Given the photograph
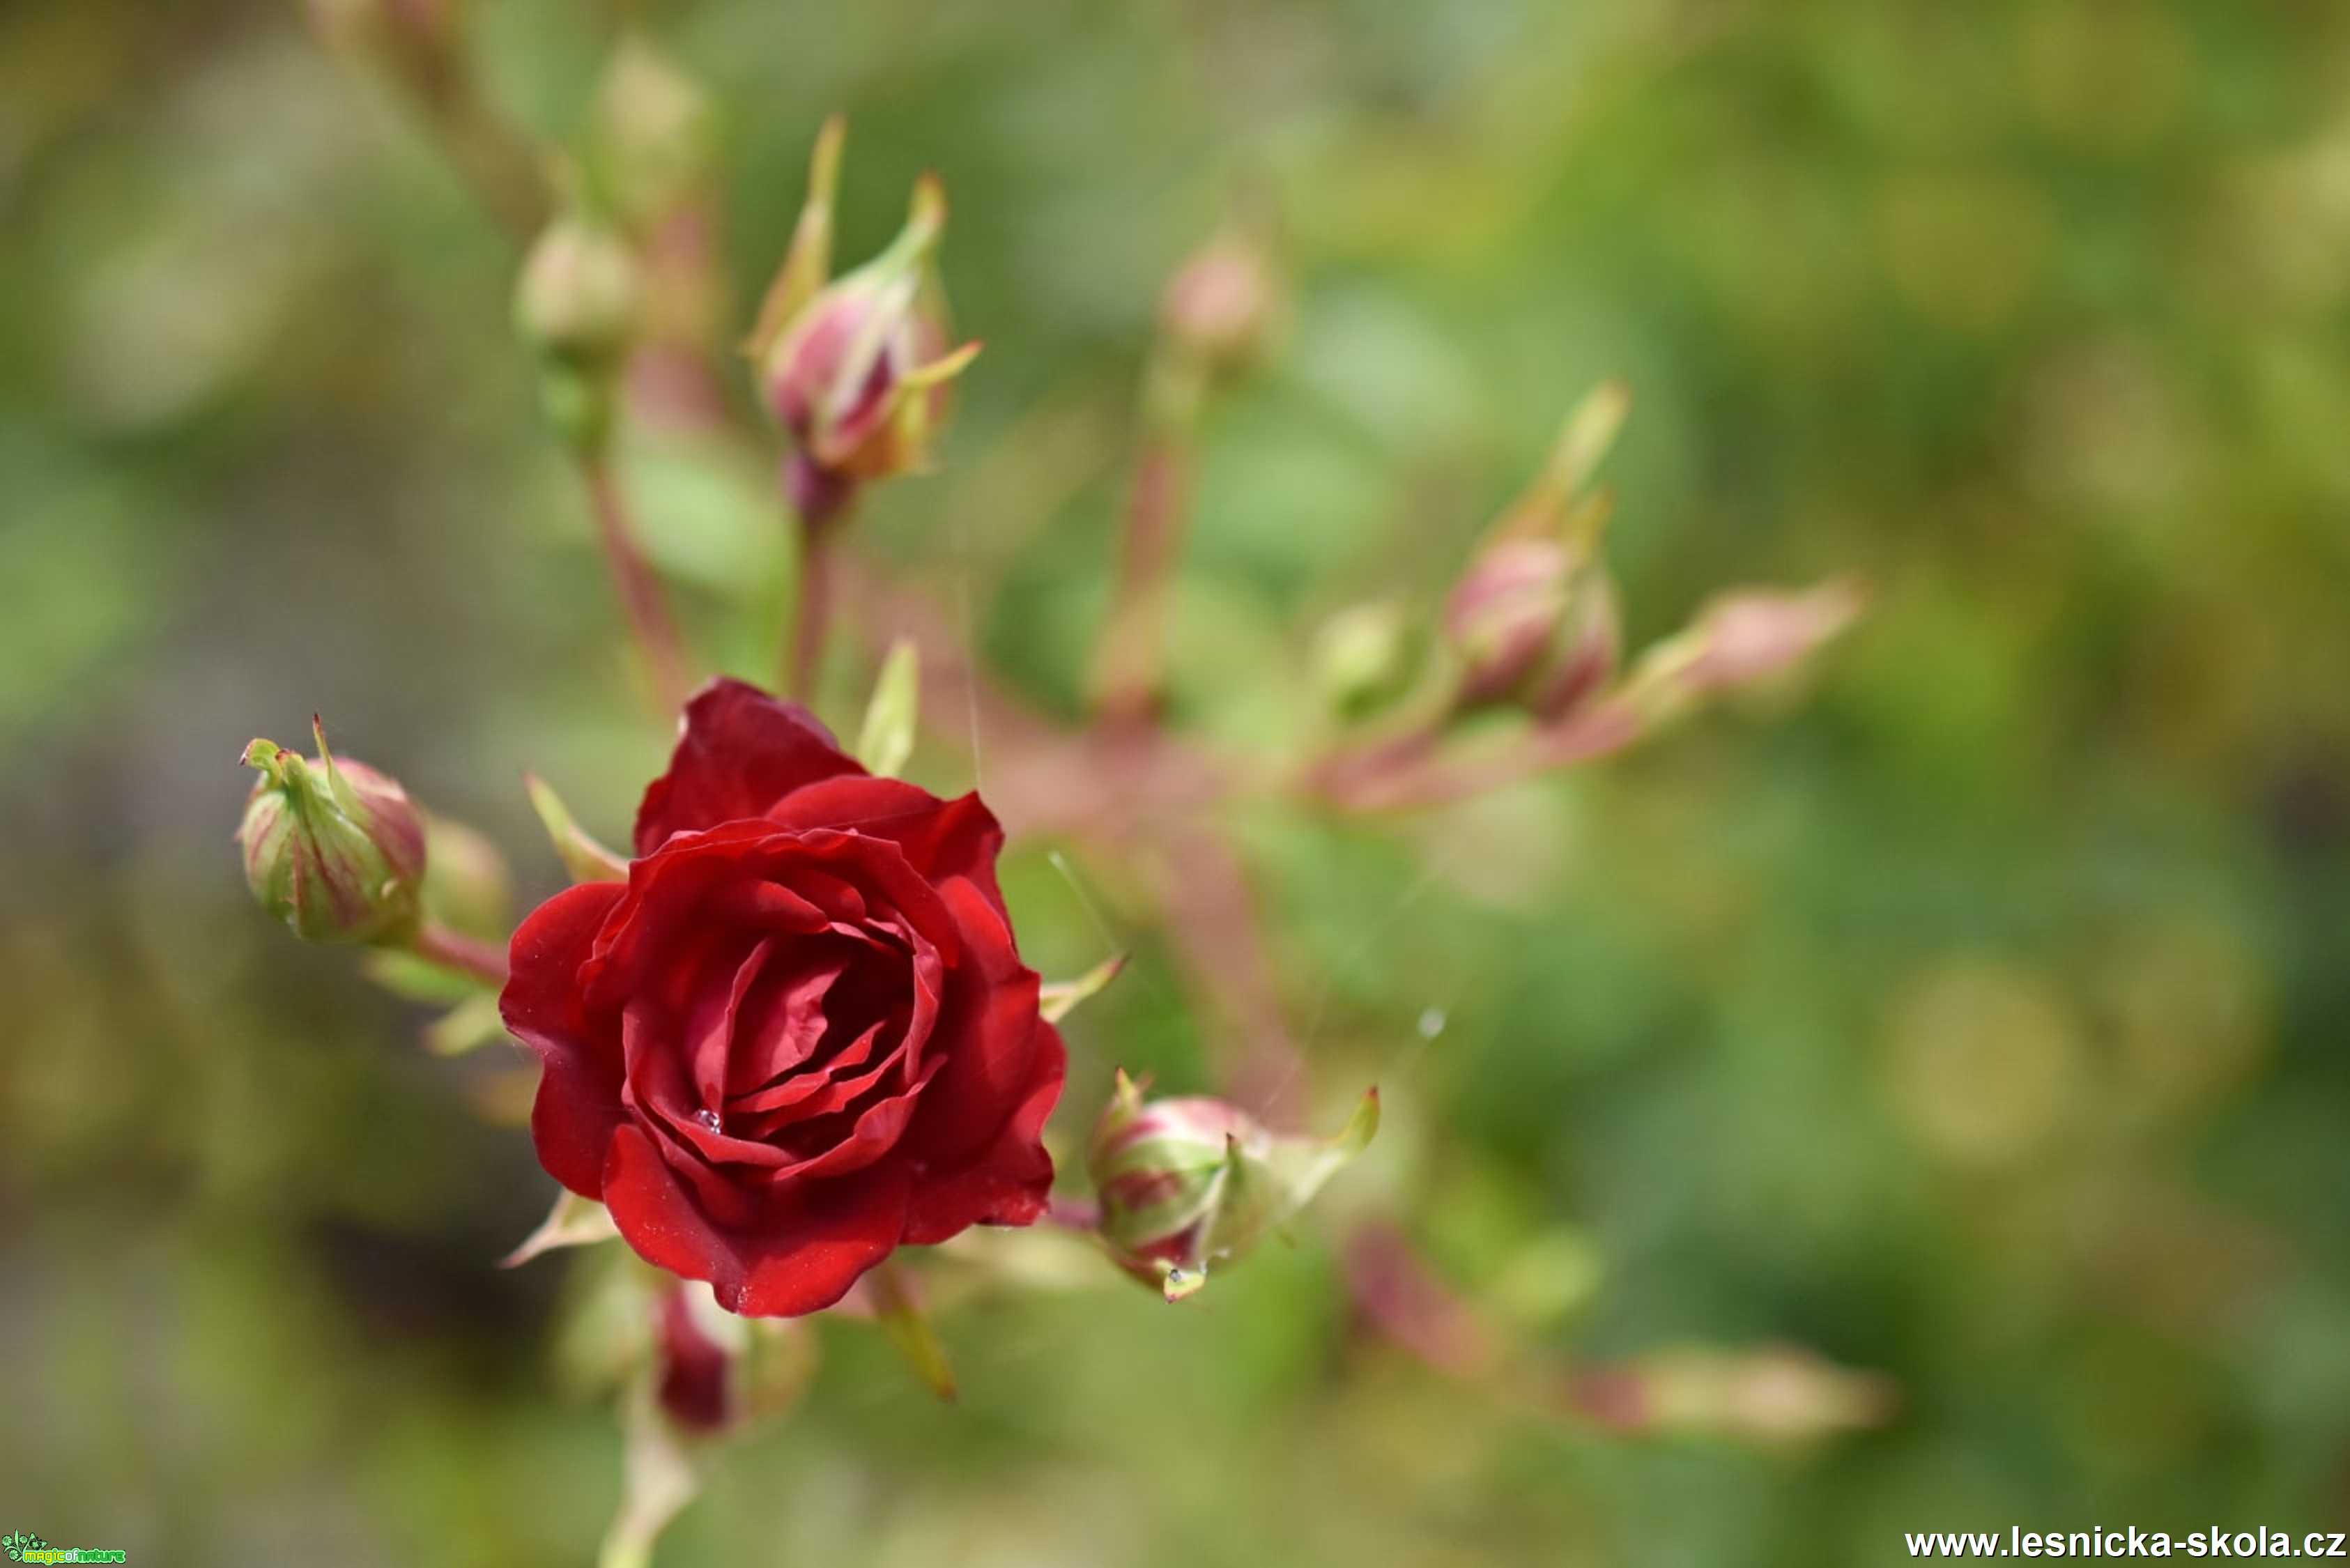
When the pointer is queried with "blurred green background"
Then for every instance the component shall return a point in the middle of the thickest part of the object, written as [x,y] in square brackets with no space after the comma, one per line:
[1983,1018]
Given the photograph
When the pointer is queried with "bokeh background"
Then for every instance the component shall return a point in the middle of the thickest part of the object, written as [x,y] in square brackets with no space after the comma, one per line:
[1982,1018]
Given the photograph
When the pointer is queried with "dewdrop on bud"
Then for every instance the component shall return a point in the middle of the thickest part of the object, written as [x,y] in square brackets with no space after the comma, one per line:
[332,848]
[1190,1182]
[857,370]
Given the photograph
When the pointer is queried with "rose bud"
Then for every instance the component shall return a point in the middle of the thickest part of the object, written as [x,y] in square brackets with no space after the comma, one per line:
[857,370]
[693,1375]
[466,884]
[1503,616]
[577,299]
[333,849]
[1364,658]
[1185,1182]
[1771,1396]
[1583,654]
[656,131]
[1220,307]
[1741,638]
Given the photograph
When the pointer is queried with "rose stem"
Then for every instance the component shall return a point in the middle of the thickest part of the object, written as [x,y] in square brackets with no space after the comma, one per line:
[455,950]
[632,577]
[1072,1214]
[814,615]
[494,160]
[1126,663]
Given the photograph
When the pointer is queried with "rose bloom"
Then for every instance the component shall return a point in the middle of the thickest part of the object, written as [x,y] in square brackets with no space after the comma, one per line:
[799,1035]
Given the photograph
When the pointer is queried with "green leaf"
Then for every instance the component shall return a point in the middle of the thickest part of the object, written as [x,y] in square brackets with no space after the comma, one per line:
[468,1026]
[1590,430]
[587,860]
[1300,1166]
[1059,998]
[900,1317]
[573,1221]
[887,739]
[414,979]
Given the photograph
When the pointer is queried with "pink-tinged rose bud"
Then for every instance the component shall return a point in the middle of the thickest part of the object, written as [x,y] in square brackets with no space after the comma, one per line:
[1583,654]
[1504,614]
[1220,305]
[1777,1395]
[858,369]
[333,849]
[1533,619]
[1184,1183]
[1740,638]
[715,1374]
[694,1372]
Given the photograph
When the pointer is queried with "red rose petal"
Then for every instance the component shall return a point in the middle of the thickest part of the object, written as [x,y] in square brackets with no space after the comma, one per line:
[739,751]
[990,1038]
[710,1024]
[939,838]
[811,1255]
[579,1101]
[785,1023]
[807,1249]
[1011,1182]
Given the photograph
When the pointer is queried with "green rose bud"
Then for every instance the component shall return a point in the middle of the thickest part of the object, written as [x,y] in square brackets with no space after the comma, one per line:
[1184,1183]
[333,849]
[578,298]
[1364,659]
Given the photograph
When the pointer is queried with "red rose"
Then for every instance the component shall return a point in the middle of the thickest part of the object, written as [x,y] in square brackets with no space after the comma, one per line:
[799,1035]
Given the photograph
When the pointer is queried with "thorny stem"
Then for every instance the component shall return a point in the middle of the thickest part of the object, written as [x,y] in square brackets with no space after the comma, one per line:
[632,577]
[455,950]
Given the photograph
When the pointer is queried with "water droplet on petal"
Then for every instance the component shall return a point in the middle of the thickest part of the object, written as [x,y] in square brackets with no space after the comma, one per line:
[707,1118]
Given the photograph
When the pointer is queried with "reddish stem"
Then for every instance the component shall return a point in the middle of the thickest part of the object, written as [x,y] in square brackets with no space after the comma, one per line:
[815,617]
[1394,777]
[640,591]
[455,950]
[1133,640]
[1073,1214]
